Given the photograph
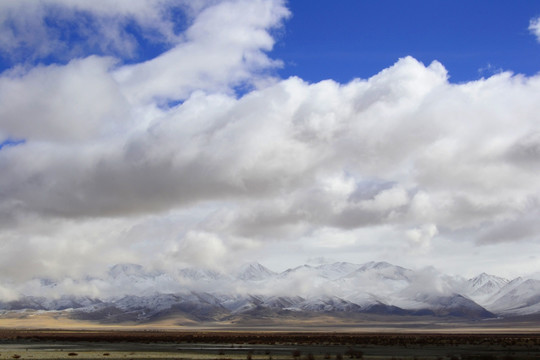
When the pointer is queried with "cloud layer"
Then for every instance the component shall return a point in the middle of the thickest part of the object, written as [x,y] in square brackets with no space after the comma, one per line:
[161,162]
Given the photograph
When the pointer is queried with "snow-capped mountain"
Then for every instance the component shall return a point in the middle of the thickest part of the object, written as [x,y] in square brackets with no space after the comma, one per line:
[201,274]
[328,304]
[129,292]
[519,297]
[484,286]
[254,272]
[375,283]
[335,270]
[385,271]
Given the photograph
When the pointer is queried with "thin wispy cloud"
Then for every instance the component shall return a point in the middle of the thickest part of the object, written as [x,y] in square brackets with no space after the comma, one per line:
[534,28]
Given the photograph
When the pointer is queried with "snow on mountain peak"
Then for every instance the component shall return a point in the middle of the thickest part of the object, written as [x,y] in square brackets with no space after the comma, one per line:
[485,279]
[336,270]
[485,285]
[254,272]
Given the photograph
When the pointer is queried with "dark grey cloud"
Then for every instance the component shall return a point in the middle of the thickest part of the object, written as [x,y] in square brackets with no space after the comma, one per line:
[525,151]
[524,227]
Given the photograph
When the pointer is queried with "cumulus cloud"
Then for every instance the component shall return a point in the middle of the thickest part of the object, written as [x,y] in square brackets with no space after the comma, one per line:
[201,248]
[111,167]
[429,282]
[421,237]
[223,47]
[76,102]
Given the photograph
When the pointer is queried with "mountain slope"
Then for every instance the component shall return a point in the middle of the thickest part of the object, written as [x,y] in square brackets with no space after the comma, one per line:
[518,298]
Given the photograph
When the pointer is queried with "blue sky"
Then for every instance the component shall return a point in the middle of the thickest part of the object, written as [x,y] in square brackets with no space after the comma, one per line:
[212,133]
[353,39]
[342,40]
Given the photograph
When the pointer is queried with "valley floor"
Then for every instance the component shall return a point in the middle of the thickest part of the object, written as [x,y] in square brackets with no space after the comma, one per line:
[263,345]
[55,335]
[328,322]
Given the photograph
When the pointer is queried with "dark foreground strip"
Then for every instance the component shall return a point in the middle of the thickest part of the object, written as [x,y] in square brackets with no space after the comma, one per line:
[272,338]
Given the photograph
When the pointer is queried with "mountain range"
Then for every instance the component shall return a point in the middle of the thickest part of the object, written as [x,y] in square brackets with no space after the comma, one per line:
[131,293]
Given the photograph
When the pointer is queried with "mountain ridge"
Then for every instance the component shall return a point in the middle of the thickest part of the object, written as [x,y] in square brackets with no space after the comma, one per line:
[140,295]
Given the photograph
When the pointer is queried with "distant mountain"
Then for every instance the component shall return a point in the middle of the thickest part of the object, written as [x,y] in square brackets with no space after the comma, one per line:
[519,297]
[129,292]
[336,270]
[329,304]
[201,274]
[384,270]
[484,285]
[459,306]
[254,272]
[302,269]
[43,303]
[375,283]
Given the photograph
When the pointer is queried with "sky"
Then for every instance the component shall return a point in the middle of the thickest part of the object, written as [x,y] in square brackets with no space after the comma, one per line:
[345,40]
[212,133]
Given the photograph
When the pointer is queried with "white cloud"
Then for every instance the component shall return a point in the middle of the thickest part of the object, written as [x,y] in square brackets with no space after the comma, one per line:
[224,47]
[387,200]
[421,237]
[427,158]
[75,102]
[26,32]
[204,249]
[325,167]
[534,28]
